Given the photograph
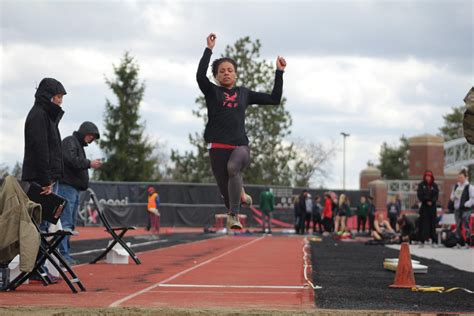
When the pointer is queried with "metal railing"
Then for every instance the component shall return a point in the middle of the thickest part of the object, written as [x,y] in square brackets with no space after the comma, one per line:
[457,154]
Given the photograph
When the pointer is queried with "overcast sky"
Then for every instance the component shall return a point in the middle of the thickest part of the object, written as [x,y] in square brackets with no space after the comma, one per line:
[374,69]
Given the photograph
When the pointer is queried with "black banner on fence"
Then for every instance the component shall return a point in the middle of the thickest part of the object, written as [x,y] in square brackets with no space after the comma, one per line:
[184,204]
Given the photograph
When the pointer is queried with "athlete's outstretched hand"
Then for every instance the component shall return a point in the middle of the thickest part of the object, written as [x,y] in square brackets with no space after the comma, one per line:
[211,41]
[281,63]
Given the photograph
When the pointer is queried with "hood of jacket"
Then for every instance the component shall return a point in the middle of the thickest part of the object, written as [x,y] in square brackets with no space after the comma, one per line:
[48,88]
[89,128]
[426,174]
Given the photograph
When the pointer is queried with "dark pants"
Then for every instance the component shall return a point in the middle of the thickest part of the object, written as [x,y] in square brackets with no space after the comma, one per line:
[361,222]
[392,218]
[267,217]
[298,221]
[427,224]
[307,220]
[328,224]
[371,223]
[301,223]
[227,167]
[317,220]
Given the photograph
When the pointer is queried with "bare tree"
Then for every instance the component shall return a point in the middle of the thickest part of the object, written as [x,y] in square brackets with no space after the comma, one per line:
[312,163]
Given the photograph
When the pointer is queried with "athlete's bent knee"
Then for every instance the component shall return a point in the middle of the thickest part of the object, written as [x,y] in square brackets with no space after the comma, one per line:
[232,169]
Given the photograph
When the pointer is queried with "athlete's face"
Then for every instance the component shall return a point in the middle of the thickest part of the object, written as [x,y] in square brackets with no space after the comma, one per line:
[226,75]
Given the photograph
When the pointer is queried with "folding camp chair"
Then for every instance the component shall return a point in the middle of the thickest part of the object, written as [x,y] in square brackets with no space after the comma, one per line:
[117,237]
[48,251]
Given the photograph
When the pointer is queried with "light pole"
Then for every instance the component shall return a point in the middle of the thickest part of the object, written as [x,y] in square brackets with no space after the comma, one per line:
[344,135]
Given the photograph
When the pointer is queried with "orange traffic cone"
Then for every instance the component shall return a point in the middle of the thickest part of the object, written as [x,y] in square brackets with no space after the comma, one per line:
[404,277]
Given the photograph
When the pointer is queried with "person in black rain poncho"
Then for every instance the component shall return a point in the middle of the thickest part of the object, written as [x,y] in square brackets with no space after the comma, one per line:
[427,193]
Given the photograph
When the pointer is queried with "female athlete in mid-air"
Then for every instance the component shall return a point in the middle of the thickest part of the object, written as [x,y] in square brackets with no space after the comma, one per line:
[225,128]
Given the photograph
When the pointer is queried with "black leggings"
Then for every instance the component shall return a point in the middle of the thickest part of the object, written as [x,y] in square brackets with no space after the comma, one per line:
[227,167]
[361,222]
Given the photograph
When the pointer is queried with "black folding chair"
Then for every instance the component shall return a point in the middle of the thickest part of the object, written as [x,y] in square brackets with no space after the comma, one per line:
[48,251]
[117,237]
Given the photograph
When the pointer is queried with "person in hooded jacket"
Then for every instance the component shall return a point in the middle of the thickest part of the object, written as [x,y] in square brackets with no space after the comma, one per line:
[427,194]
[43,159]
[76,177]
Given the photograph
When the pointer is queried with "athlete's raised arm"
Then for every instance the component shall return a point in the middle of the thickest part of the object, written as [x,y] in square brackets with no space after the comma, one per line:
[201,76]
[275,97]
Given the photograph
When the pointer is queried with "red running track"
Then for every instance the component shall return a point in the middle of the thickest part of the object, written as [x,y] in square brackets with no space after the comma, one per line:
[236,272]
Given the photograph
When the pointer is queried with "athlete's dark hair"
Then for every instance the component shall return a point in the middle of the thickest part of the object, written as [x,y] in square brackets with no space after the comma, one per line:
[216,63]
[464,172]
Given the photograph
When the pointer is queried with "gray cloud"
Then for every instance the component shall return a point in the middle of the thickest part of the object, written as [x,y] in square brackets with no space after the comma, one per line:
[427,28]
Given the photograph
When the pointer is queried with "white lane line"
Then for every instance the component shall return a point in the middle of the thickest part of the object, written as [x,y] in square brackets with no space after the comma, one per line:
[133,246]
[128,297]
[286,287]
[233,292]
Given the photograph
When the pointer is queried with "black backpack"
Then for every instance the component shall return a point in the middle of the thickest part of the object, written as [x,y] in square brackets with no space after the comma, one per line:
[451,240]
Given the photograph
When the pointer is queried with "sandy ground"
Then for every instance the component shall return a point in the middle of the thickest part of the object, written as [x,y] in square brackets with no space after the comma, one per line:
[185,312]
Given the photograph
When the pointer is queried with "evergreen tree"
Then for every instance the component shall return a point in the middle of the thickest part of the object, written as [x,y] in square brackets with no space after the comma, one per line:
[394,160]
[452,127]
[128,153]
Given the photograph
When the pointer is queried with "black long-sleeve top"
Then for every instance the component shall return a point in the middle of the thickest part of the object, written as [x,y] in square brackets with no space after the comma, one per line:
[226,107]
[427,193]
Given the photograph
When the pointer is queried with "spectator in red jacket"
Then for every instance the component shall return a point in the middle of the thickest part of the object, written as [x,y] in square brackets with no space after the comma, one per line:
[327,213]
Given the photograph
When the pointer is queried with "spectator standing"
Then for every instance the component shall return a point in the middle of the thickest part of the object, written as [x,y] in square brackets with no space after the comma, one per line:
[371,214]
[362,211]
[398,201]
[153,212]
[309,212]
[267,202]
[296,208]
[462,197]
[43,159]
[302,208]
[343,211]
[316,216]
[327,213]
[394,211]
[76,177]
[335,210]
[427,194]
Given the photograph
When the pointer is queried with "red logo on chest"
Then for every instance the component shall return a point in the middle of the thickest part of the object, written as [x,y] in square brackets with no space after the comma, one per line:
[230,100]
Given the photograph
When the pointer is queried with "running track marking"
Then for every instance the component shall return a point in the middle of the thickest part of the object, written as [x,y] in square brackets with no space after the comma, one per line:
[128,297]
[234,286]
[132,246]
[233,292]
